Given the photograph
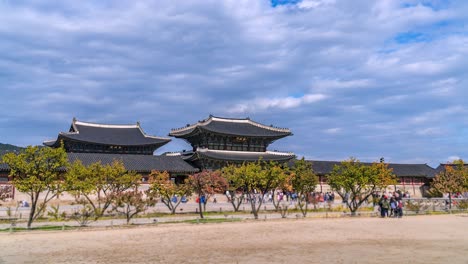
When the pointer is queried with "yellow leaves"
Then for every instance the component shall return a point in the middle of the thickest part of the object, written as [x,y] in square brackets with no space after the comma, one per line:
[261,176]
[162,185]
[453,179]
[351,175]
[36,169]
[302,178]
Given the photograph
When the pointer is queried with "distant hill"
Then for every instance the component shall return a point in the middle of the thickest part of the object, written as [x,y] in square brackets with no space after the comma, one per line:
[5,148]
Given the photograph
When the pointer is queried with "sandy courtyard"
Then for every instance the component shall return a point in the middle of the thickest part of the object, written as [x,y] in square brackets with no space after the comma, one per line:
[421,239]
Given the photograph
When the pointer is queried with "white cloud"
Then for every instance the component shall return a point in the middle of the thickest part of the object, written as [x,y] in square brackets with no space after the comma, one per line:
[170,64]
[453,158]
[332,131]
[307,4]
[262,104]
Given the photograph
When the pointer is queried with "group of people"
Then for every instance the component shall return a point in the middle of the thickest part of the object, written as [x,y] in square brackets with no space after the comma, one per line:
[279,195]
[320,197]
[391,205]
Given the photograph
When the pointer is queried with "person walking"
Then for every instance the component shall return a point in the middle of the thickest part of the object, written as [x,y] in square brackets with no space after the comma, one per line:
[384,207]
[393,207]
[400,208]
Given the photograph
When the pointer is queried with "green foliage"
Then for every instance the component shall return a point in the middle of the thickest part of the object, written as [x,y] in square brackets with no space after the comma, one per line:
[452,180]
[236,190]
[255,179]
[303,181]
[100,184]
[359,180]
[163,187]
[85,214]
[55,214]
[462,205]
[35,171]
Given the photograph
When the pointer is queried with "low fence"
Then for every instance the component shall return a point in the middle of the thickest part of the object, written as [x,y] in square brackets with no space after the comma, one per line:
[427,205]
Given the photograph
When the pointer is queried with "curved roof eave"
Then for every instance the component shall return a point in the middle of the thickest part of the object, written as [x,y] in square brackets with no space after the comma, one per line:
[184,131]
[158,143]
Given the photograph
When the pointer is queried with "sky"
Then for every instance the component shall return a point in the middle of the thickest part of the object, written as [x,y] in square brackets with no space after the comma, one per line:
[367,79]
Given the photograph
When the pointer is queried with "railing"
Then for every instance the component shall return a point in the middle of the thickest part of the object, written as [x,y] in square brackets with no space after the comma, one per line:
[428,205]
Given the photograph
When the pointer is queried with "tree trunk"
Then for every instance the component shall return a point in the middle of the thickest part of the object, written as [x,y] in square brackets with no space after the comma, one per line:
[275,205]
[302,206]
[236,202]
[253,201]
[34,199]
[450,201]
[200,209]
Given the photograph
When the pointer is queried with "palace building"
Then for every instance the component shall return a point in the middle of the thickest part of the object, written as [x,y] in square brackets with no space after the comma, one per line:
[414,178]
[92,142]
[85,137]
[217,141]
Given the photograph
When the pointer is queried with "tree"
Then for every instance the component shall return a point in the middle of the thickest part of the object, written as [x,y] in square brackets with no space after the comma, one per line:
[132,203]
[303,181]
[256,179]
[100,184]
[206,184]
[359,181]
[162,186]
[236,193]
[453,179]
[282,184]
[37,170]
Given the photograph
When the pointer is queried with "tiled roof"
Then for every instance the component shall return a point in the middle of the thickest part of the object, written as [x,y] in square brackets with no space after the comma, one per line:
[232,126]
[4,167]
[139,163]
[240,156]
[400,170]
[441,167]
[121,135]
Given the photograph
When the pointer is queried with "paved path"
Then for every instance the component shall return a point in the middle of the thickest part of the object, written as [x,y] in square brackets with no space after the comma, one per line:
[225,209]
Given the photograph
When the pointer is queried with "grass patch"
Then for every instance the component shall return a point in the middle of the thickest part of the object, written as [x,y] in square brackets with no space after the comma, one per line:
[40,228]
[211,220]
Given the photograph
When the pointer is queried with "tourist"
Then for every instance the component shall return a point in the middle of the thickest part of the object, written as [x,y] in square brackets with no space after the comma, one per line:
[384,206]
[393,206]
[400,208]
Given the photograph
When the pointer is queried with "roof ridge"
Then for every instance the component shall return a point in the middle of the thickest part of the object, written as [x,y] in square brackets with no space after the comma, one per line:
[237,151]
[149,136]
[91,124]
[211,118]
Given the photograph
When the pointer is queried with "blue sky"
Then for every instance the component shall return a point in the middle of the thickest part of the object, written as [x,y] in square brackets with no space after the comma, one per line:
[359,78]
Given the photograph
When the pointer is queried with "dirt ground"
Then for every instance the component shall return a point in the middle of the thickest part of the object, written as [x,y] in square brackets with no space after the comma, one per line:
[417,239]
